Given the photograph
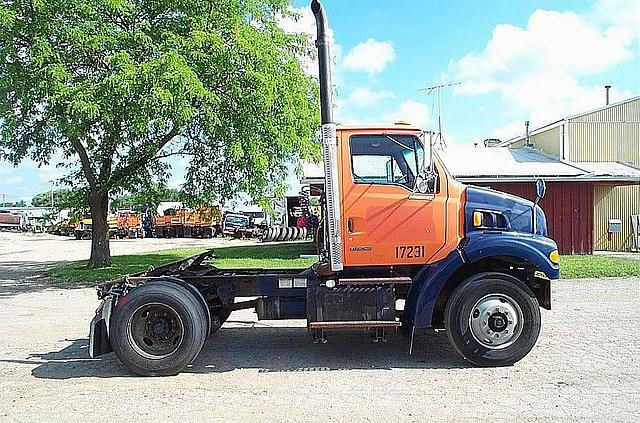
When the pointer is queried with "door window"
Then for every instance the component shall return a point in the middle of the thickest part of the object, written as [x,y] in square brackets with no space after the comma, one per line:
[380,159]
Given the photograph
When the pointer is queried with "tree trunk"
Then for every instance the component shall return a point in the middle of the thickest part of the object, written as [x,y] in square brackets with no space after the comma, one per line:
[100,252]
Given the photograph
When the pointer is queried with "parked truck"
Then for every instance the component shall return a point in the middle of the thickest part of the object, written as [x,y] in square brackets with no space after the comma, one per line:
[128,224]
[203,222]
[397,226]
[84,226]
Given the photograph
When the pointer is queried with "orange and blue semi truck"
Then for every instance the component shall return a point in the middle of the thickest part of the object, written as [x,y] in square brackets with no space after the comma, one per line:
[397,226]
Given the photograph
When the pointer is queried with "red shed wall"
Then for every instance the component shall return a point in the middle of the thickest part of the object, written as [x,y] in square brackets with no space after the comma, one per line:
[568,207]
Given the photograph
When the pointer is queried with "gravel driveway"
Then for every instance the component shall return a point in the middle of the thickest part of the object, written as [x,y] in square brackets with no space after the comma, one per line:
[586,365]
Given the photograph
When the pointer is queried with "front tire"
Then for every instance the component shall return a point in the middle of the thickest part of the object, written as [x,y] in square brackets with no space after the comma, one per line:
[492,319]
[158,329]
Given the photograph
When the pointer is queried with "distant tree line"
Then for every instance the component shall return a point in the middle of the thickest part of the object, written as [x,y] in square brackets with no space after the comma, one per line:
[77,200]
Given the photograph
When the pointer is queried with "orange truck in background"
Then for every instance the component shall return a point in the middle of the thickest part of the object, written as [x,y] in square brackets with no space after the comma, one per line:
[203,222]
[128,224]
[122,224]
[404,246]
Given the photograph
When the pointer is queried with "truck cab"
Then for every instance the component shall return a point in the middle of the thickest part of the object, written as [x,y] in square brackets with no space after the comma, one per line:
[387,221]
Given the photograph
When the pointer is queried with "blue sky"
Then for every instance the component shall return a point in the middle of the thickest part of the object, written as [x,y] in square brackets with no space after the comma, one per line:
[515,60]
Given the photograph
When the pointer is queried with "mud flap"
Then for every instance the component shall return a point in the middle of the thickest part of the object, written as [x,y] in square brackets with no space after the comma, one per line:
[542,289]
[99,343]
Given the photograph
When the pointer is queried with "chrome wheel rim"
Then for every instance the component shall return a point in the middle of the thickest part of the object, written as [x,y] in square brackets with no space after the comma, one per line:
[496,321]
[155,331]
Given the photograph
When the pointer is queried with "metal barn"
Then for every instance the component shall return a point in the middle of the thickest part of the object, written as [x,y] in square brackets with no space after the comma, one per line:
[599,140]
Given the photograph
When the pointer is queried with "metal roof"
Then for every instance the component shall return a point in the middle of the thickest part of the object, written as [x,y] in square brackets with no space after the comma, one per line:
[468,163]
[613,169]
[501,162]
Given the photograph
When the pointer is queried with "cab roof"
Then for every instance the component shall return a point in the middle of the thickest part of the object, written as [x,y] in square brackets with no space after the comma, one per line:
[397,126]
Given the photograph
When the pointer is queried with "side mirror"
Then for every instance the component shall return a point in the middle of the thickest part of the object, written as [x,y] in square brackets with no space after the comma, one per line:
[541,189]
[426,182]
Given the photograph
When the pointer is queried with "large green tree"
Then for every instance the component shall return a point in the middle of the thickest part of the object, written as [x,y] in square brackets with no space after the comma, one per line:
[75,199]
[118,86]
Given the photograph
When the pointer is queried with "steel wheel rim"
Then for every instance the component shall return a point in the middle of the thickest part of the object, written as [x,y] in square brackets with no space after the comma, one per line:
[155,331]
[496,321]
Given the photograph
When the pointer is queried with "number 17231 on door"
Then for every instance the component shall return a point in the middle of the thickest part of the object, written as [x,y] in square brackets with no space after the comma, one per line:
[410,251]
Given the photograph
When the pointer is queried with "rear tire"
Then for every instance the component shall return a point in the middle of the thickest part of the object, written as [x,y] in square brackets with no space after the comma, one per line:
[492,319]
[158,329]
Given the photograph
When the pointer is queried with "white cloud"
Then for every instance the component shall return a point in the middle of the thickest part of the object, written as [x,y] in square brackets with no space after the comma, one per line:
[552,42]
[416,113]
[371,56]
[364,97]
[305,23]
[622,13]
[537,70]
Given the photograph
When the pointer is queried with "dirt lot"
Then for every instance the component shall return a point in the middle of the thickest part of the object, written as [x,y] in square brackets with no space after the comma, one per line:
[586,365]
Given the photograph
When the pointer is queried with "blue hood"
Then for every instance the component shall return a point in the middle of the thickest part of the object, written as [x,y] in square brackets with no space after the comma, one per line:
[517,211]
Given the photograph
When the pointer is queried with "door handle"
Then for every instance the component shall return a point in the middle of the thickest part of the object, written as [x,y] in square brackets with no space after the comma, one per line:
[350,224]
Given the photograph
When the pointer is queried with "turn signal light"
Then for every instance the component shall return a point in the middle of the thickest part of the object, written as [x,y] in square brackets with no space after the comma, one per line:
[554,256]
[477,219]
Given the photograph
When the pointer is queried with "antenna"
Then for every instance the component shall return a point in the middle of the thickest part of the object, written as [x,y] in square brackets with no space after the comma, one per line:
[437,99]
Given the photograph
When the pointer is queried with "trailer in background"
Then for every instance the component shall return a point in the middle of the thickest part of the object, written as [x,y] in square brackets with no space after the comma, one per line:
[13,221]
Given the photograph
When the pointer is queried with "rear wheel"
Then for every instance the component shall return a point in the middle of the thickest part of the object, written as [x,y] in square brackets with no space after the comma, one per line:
[492,319]
[158,329]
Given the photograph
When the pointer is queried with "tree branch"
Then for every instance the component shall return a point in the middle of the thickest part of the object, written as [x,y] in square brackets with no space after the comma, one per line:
[117,176]
[105,169]
[86,163]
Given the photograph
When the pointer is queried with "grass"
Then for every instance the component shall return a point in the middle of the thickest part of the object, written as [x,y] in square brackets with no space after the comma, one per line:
[266,256]
[271,256]
[596,266]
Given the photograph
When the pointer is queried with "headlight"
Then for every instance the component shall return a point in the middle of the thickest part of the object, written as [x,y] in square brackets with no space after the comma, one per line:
[554,256]
[489,219]
[477,219]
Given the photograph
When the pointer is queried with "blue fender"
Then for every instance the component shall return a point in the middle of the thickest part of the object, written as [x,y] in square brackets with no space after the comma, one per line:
[426,287]
[534,249]
[428,283]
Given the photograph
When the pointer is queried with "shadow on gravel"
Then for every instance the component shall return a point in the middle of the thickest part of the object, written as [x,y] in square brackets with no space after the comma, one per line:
[269,349]
[20,277]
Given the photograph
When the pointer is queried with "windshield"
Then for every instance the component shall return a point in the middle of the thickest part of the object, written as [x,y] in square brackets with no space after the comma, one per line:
[237,220]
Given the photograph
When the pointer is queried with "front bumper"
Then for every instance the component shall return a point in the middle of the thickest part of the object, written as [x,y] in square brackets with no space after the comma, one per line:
[99,329]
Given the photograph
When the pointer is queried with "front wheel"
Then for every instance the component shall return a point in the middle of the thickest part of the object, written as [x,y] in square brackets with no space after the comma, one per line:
[492,319]
[158,329]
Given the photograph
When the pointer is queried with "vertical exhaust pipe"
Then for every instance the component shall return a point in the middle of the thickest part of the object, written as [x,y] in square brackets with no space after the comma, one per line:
[606,94]
[322,44]
[329,143]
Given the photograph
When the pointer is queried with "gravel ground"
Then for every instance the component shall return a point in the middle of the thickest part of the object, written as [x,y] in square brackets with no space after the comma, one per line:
[585,367]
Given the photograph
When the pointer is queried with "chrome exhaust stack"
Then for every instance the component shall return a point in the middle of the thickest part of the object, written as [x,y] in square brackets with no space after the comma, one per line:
[329,141]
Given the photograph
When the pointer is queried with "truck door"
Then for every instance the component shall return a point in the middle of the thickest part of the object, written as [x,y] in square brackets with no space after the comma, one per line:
[384,221]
